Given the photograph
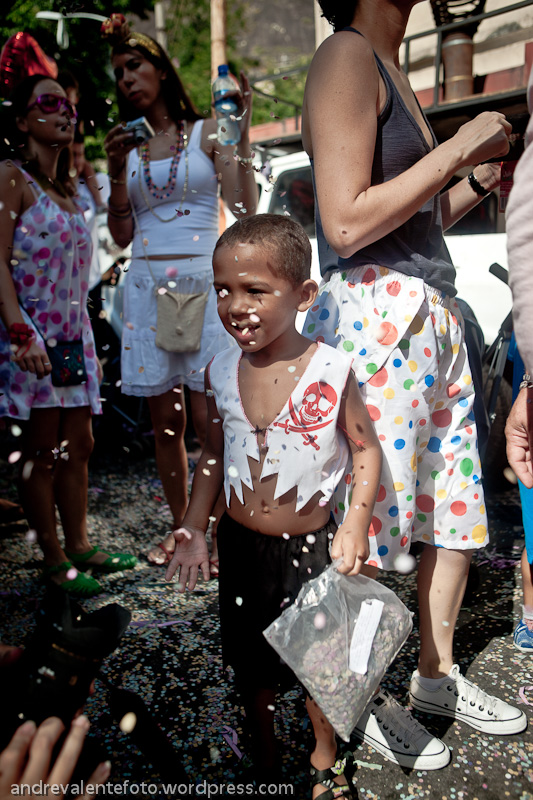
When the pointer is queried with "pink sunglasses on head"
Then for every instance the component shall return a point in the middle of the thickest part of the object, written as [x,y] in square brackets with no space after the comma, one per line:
[51,103]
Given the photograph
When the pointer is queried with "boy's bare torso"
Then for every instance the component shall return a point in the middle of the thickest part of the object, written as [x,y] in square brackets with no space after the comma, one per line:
[264,391]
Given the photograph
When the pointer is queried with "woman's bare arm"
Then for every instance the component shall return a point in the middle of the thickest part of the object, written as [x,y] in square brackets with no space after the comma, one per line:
[117,145]
[17,197]
[12,192]
[237,179]
[341,105]
[461,198]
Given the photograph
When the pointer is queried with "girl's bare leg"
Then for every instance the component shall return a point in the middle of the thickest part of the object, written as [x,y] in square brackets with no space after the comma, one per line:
[71,479]
[527,582]
[442,576]
[169,419]
[39,449]
[199,415]
[199,419]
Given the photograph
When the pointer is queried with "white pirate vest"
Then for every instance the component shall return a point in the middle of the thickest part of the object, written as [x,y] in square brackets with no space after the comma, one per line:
[303,445]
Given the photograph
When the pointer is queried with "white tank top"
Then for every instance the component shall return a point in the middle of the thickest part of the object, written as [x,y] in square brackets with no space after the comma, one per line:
[304,446]
[195,230]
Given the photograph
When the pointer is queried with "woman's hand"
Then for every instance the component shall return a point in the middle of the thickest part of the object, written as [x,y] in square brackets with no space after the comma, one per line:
[117,145]
[484,137]
[489,175]
[33,359]
[99,371]
[27,758]
[519,435]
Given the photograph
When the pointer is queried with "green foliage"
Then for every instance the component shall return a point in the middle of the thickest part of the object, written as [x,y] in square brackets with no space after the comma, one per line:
[188,31]
[189,44]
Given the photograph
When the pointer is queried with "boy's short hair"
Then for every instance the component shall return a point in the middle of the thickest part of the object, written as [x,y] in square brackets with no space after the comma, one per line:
[285,237]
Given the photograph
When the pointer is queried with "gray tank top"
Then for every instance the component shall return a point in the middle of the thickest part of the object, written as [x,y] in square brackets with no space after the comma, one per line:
[417,247]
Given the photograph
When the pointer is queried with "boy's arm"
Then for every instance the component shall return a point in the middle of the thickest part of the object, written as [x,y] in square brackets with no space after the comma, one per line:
[191,549]
[351,540]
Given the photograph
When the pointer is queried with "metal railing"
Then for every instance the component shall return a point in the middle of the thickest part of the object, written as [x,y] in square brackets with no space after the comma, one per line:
[443,30]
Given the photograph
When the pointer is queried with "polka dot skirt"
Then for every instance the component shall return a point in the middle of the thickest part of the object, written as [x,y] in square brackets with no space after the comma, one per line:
[410,359]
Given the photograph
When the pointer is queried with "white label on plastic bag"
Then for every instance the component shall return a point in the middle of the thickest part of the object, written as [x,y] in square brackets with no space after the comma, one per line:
[363,635]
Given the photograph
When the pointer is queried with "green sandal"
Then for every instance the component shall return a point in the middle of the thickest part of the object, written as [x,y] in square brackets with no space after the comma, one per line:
[80,586]
[326,777]
[116,562]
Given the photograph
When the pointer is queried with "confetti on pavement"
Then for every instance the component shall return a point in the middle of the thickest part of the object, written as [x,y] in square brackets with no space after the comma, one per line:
[170,655]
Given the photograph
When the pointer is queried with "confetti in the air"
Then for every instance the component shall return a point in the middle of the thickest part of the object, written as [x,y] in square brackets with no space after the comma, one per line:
[128,722]
[319,620]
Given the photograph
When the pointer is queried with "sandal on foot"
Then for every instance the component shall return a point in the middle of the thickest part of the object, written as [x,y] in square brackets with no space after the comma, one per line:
[167,559]
[326,777]
[115,562]
[80,586]
[213,568]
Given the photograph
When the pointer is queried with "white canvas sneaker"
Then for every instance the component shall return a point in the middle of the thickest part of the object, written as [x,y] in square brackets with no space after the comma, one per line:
[458,698]
[393,732]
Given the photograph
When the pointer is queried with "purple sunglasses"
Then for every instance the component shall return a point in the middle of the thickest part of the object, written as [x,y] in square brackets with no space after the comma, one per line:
[51,103]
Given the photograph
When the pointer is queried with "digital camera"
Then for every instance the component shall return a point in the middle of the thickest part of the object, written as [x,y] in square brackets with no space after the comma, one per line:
[140,128]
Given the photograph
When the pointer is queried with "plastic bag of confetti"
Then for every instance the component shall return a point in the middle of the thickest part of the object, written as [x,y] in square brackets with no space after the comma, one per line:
[339,637]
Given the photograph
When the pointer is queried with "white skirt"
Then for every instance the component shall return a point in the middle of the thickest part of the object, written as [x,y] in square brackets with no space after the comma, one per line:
[147,370]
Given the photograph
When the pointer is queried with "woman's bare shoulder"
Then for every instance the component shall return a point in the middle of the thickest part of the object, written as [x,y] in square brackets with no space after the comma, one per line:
[13,182]
[9,171]
[16,195]
[342,50]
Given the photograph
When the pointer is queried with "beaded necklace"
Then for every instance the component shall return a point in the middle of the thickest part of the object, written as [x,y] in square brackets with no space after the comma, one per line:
[162,192]
[179,212]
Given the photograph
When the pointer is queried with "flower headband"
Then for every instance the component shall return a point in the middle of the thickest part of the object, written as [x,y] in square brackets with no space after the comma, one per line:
[117,31]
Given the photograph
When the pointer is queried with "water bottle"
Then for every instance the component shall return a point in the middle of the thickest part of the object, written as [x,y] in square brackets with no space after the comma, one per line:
[225,94]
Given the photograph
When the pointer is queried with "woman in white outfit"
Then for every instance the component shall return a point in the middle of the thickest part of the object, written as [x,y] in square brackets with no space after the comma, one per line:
[164,199]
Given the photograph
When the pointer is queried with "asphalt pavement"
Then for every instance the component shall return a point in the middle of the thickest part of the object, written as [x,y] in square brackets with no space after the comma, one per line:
[170,658]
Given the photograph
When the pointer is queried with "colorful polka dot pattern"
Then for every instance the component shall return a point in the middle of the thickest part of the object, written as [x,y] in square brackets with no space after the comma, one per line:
[382,305]
[50,265]
[419,394]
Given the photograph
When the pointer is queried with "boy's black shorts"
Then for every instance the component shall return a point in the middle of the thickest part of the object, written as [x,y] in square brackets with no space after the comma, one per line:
[260,575]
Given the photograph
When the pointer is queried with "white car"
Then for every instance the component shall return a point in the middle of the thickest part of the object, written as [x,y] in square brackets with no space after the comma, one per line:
[289,190]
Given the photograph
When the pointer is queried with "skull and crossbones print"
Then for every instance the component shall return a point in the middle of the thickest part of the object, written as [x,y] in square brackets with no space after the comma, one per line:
[319,400]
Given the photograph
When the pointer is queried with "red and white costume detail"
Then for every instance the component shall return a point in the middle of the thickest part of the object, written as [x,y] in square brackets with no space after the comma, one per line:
[304,447]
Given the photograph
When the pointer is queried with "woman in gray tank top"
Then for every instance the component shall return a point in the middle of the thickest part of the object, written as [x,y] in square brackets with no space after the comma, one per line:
[387,299]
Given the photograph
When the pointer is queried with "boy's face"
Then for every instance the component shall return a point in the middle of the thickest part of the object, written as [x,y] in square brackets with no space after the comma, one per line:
[256,305]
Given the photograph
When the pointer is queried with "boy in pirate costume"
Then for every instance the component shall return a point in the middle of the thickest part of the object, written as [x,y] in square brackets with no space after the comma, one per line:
[284,418]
